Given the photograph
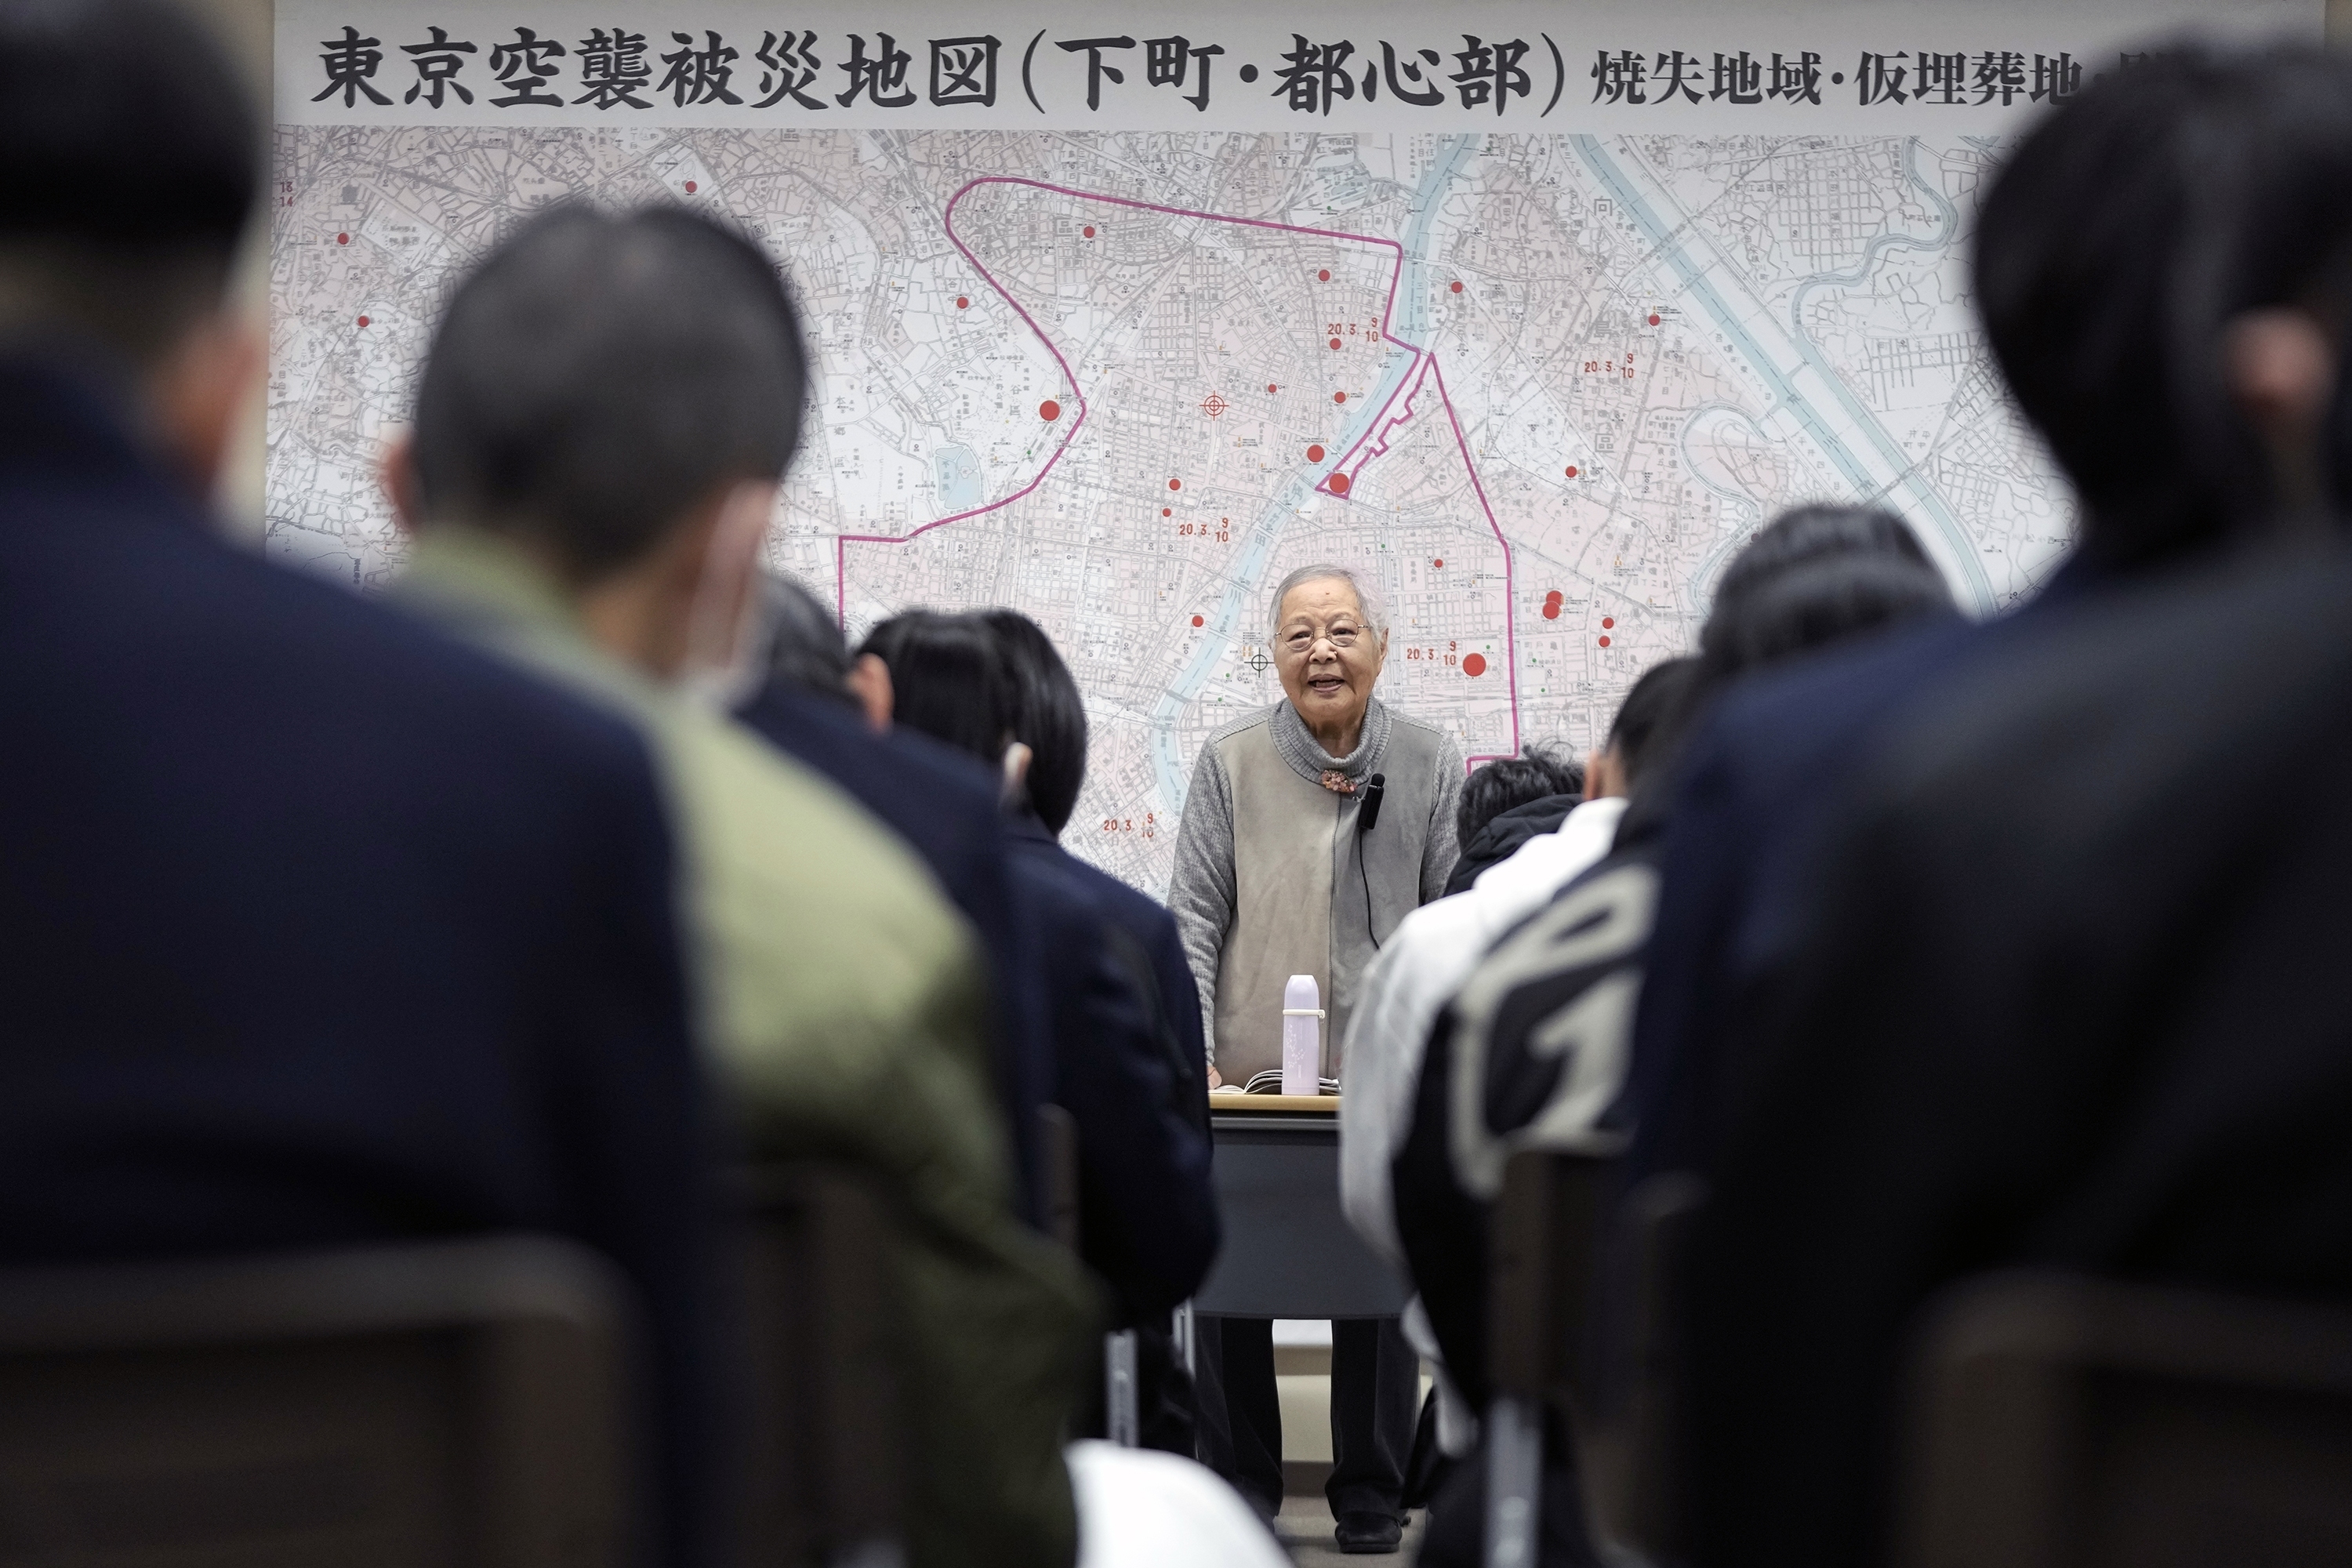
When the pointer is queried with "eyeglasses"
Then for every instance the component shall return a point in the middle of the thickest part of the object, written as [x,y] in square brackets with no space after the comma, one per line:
[1342,635]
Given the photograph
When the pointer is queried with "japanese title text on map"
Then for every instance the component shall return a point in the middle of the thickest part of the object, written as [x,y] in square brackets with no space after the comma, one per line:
[1118,314]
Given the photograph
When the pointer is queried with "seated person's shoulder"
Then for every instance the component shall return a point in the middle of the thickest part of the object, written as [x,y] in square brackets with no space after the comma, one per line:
[321,682]
[1769,747]
[834,920]
[2132,696]
[1142,915]
[1821,698]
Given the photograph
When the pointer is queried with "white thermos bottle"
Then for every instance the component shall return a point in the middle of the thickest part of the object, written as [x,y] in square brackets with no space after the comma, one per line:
[1302,1035]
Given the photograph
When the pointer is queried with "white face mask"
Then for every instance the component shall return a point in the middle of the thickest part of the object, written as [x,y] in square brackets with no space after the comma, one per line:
[730,625]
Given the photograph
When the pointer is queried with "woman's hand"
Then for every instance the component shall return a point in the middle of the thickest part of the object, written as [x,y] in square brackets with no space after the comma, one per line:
[1215,1081]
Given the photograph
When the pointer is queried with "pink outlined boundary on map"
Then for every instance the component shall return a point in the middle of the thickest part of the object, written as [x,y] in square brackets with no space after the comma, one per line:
[1425,367]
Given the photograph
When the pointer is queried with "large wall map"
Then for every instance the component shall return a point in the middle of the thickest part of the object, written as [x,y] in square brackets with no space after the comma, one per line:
[1542,386]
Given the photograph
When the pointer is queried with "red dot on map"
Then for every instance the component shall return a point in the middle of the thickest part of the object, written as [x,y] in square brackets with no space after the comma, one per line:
[1338,397]
[1439,562]
[1175,484]
[1553,597]
[1166,511]
[1653,319]
[1551,609]
[962,302]
[1335,342]
[362,320]
[690,188]
[1049,410]
[1476,664]
[1198,621]
[1089,231]
[1337,484]
[1271,387]
[1571,471]
[1604,642]
[1458,285]
[1315,453]
[1608,622]
[342,239]
[1324,276]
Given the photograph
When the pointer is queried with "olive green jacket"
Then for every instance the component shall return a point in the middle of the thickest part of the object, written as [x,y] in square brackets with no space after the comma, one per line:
[844,1002]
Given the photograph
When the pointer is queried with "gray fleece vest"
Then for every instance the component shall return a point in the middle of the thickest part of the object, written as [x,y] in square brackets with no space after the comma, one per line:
[1301,873]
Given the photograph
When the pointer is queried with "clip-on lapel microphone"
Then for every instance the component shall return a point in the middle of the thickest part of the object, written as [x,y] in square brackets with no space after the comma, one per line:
[1368,814]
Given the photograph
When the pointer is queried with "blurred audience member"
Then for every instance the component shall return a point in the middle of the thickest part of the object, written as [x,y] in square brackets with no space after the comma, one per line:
[1418,971]
[2096,1022]
[941,802]
[322,929]
[1049,716]
[2104,248]
[1434,951]
[798,645]
[1507,802]
[1147,1221]
[1531,1051]
[608,407]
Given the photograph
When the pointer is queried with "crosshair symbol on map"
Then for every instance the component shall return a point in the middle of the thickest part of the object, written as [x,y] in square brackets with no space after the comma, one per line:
[1213,405]
[1257,661]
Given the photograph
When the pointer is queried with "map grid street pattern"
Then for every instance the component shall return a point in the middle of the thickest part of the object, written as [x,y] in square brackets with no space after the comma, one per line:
[1540,386]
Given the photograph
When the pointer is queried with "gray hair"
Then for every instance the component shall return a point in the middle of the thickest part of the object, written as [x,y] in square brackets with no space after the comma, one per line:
[599,374]
[1367,595]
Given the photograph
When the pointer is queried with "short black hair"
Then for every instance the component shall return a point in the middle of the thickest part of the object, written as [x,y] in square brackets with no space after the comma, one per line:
[1652,712]
[1812,578]
[599,374]
[2116,245]
[1048,714]
[1804,533]
[1753,621]
[1815,602]
[805,649]
[1507,783]
[130,164]
[948,680]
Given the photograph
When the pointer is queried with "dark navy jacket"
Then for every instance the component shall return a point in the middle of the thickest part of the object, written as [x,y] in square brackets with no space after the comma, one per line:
[1756,796]
[944,805]
[1749,808]
[1147,1219]
[321,930]
[2073,996]
[1146,932]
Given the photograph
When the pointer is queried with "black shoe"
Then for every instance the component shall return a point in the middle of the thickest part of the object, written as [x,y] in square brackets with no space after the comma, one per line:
[1369,1532]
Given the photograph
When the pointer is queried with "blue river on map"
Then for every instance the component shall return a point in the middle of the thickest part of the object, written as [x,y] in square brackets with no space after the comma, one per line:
[1236,620]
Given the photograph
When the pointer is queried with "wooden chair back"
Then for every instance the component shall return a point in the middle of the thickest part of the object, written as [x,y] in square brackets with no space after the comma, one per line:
[409,1406]
[2059,1421]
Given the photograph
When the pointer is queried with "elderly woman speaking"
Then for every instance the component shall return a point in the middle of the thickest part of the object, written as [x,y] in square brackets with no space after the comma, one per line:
[1277,875]
[1273,878]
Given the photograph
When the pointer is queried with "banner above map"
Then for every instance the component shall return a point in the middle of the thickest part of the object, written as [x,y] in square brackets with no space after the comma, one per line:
[1618,67]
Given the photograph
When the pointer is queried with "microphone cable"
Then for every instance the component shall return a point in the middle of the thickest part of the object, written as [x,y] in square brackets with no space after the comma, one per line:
[1366,815]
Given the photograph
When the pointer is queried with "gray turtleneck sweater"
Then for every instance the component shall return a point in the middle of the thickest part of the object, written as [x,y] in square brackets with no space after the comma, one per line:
[1271,877]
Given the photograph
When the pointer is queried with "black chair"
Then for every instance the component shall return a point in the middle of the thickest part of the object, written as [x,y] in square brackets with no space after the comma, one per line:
[1633,1441]
[1057,1158]
[2064,1422]
[827,1483]
[453,1403]
[1057,1163]
[1544,1250]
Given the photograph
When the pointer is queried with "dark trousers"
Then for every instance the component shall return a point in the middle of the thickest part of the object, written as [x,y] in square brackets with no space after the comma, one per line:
[1375,1396]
